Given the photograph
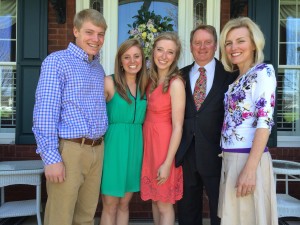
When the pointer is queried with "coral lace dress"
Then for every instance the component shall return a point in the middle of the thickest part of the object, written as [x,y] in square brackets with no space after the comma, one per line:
[157,130]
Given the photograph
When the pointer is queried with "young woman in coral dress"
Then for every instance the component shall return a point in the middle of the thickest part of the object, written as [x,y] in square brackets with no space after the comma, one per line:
[161,181]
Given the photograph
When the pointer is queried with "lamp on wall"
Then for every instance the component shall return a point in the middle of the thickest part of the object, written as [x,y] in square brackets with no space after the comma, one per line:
[60,8]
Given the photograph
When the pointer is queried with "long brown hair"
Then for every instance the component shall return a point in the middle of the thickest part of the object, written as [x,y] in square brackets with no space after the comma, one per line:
[119,76]
[173,70]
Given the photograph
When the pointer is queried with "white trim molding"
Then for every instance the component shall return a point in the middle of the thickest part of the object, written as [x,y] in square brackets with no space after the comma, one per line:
[82,4]
[213,15]
[110,47]
[185,25]
[7,138]
[288,141]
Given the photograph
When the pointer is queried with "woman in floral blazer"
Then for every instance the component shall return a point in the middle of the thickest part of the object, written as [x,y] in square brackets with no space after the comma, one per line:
[247,189]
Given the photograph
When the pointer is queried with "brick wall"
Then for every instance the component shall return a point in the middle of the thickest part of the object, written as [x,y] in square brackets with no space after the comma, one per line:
[225,12]
[60,35]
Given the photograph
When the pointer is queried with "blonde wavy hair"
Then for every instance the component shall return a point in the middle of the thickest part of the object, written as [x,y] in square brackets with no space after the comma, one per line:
[256,36]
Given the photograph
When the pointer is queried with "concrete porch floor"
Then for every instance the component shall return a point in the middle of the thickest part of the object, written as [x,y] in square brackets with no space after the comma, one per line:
[32,221]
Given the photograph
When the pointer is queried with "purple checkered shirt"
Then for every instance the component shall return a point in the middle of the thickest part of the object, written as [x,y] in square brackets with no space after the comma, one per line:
[69,101]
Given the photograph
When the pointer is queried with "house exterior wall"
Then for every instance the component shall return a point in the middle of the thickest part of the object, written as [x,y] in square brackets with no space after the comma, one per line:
[59,36]
[138,208]
[225,12]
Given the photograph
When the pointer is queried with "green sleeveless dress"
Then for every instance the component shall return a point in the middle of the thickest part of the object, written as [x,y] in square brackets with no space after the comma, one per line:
[123,145]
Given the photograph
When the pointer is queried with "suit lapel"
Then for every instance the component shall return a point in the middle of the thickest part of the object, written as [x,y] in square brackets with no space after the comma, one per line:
[188,90]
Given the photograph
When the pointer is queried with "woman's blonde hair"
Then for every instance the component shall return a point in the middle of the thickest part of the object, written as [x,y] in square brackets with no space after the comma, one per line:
[173,71]
[119,76]
[256,36]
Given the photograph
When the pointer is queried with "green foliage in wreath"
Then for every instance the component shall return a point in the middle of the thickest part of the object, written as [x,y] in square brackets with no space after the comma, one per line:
[147,26]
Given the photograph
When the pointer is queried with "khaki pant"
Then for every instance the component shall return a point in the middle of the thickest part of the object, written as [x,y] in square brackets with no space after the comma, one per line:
[74,201]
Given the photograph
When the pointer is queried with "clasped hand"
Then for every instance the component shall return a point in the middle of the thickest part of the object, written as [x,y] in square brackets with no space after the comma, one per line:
[163,174]
[246,183]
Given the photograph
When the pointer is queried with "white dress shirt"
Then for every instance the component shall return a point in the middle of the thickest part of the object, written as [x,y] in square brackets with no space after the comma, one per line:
[210,73]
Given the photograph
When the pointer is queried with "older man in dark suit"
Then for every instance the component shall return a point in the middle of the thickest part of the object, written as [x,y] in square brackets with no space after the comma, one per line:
[206,83]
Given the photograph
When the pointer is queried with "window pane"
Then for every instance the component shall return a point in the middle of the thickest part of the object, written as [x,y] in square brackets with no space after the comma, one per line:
[298,53]
[297,28]
[7,32]
[7,40]
[8,44]
[199,12]
[282,30]
[8,51]
[288,99]
[291,32]
[288,54]
[287,9]
[8,96]
[8,19]
[97,4]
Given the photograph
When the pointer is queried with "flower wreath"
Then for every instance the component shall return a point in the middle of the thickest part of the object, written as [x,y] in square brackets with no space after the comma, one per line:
[147,26]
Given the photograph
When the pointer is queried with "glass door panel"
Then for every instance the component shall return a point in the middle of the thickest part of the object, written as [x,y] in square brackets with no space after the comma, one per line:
[200,9]
[129,9]
[97,4]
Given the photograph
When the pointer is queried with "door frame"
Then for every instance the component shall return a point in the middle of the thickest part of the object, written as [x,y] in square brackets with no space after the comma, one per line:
[185,25]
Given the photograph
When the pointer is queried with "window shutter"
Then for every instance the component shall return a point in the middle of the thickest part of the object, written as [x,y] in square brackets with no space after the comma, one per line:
[32,31]
[265,14]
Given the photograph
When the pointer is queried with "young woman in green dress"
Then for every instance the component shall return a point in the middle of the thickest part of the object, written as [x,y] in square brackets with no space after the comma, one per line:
[123,143]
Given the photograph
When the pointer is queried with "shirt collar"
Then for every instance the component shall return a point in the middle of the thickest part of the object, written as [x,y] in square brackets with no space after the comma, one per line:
[80,53]
[208,67]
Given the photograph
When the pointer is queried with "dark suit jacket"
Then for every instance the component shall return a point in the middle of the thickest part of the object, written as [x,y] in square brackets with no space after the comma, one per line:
[205,124]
